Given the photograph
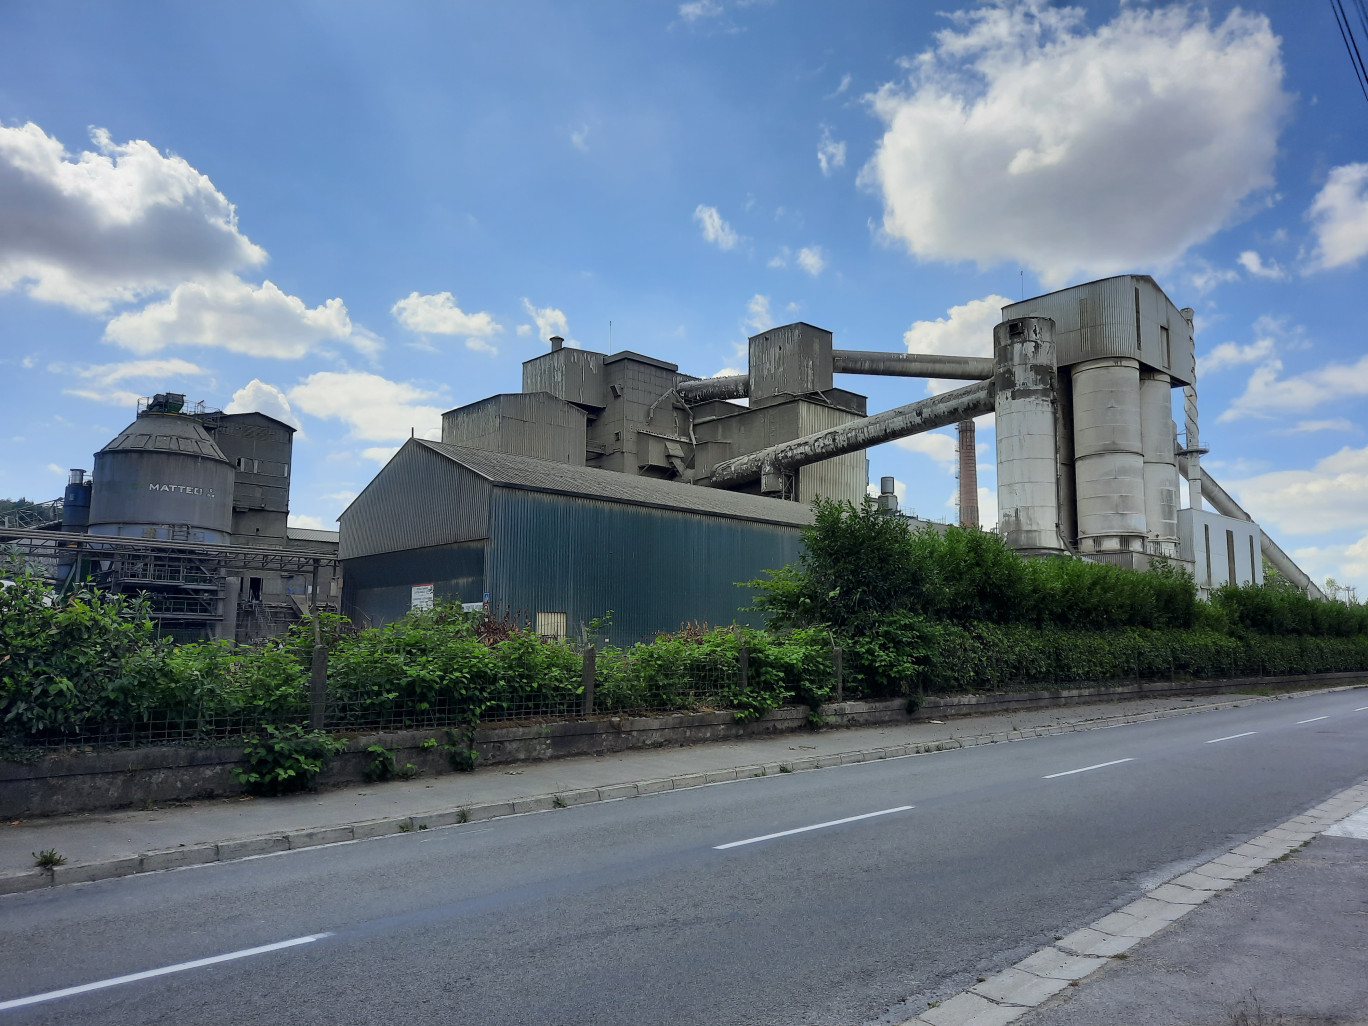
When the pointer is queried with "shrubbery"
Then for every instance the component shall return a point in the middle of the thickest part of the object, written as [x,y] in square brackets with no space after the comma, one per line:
[915,612]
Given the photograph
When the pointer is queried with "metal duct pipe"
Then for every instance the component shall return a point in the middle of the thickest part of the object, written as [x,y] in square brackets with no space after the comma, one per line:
[968,474]
[1223,504]
[732,386]
[899,422]
[1026,386]
[912,365]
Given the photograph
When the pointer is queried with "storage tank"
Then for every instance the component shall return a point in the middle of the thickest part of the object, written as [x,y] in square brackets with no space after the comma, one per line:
[163,477]
[1161,463]
[1025,408]
[1109,462]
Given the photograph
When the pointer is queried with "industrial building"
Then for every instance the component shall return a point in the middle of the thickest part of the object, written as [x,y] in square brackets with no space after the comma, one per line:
[613,481]
[190,506]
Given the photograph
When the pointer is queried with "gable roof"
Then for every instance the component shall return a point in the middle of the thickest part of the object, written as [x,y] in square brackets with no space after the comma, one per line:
[507,470]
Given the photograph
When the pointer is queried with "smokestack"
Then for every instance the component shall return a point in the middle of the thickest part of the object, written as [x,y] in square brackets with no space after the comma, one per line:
[556,342]
[968,475]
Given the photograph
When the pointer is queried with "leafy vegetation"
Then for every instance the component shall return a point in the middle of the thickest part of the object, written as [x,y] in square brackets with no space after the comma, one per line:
[916,612]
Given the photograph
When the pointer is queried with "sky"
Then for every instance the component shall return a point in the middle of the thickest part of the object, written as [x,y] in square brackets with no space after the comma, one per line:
[354,216]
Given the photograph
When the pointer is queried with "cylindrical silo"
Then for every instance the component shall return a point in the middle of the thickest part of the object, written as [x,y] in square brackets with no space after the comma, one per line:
[1109,461]
[163,477]
[1025,408]
[1161,463]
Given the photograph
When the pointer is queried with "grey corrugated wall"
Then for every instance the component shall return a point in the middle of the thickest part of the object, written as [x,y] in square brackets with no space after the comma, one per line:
[653,568]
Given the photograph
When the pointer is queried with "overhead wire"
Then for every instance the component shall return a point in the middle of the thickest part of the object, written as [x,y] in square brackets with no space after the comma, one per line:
[1350,43]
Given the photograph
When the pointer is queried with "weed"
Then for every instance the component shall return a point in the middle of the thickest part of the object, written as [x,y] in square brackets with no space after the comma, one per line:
[983,979]
[285,758]
[461,751]
[558,802]
[933,1004]
[406,828]
[408,771]
[463,816]
[422,826]
[381,764]
[1121,956]
[429,743]
[48,859]
[785,768]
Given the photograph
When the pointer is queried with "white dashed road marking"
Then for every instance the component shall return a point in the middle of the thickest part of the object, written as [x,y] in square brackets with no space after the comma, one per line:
[815,826]
[1084,769]
[1313,719]
[1230,737]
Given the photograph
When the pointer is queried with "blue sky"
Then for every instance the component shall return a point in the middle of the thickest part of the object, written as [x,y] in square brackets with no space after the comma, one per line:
[355,216]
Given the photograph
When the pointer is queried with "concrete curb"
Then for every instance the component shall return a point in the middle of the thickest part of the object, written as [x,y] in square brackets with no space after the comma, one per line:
[14,882]
[1067,962]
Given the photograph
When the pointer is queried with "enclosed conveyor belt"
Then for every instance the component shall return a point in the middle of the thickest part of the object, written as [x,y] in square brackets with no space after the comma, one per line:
[1223,504]
[912,365]
[731,386]
[899,422]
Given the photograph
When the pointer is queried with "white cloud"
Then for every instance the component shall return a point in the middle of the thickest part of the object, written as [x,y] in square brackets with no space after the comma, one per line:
[697,10]
[781,258]
[379,453]
[1332,495]
[98,381]
[258,397]
[939,446]
[758,315]
[314,523]
[438,314]
[1266,394]
[810,259]
[1204,277]
[550,321]
[845,84]
[1339,217]
[579,138]
[966,331]
[234,315]
[1253,263]
[53,468]
[727,372]
[831,154]
[1348,564]
[111,225]
[1230,354]
[375,408]
[1303,427]
[1023,137]
[524,330]
[715,230]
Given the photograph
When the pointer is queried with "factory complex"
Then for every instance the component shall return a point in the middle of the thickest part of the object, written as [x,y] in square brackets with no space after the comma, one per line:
[615,489]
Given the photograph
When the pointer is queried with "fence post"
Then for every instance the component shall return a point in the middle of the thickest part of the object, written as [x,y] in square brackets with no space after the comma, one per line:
[318,687]
[840,676]
[587,677]
[744,654]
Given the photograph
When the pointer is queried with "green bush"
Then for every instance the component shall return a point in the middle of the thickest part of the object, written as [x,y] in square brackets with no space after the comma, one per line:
[285,758]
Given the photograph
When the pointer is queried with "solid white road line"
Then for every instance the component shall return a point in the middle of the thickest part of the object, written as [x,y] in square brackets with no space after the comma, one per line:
[1362,708]
[1084,769]
[179,967]
[1230,737]
[1313,719]
[815,826]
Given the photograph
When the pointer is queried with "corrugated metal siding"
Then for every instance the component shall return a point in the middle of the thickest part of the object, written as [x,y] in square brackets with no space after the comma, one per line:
[1098,319]
[653,568]
[844,477]
[417,500]
[379,589]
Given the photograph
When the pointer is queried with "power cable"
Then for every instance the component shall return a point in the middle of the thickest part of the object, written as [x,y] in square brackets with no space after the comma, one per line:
[1350,43]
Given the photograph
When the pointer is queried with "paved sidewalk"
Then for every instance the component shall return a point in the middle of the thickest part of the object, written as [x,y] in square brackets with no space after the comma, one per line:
[1288,947]
[100,845]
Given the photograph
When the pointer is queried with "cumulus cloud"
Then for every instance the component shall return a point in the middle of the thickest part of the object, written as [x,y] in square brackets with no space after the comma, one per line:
[1022,136]
[232,314]
[939,446]
[831,154]
[102,382]
[1254,264]
[1332,495]
[966,330]
[1339,217]
[1203,276]
[811,259]
[715,230]
[550,321]
[311,522]
[758,315]
[699,10]
[1231,354]
[258,397]
[374,408]
[438,314]
[1268,394]
[110,225]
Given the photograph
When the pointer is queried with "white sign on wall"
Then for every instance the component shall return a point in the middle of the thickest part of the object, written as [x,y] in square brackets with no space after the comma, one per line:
[422,597]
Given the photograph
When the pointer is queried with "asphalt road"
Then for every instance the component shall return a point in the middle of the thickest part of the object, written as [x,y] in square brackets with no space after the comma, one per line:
[628,912]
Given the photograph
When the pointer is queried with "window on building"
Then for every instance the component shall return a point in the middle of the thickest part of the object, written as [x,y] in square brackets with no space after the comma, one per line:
[1206,547]
[1253,566]
[1165,356]
[551,625]
[1230,558]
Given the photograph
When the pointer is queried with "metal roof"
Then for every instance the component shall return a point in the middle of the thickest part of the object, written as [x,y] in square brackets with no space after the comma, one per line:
[510,471]
[312,534]
[166,432]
